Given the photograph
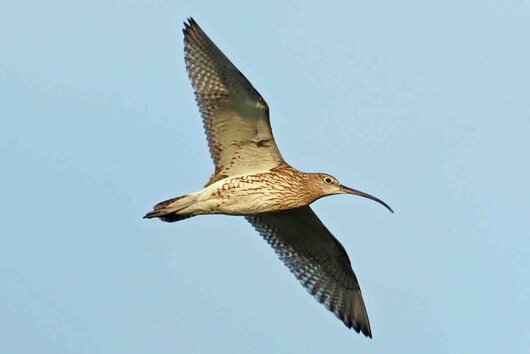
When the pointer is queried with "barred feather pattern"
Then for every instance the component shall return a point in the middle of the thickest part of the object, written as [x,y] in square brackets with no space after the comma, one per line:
[235,116]
[317,260]
[279,189]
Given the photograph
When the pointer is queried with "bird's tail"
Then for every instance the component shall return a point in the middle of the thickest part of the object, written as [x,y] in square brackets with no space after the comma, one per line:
[171,210]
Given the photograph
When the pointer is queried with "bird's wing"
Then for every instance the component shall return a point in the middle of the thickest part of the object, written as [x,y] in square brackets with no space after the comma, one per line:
[317,260]
[235,116]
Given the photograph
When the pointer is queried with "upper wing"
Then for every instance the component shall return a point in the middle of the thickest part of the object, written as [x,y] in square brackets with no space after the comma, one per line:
[235,116]
[318,260]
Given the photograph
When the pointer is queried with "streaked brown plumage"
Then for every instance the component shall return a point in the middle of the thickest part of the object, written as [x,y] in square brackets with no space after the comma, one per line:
[252,179]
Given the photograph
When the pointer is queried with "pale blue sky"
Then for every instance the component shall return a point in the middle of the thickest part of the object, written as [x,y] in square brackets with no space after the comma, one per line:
[425,105]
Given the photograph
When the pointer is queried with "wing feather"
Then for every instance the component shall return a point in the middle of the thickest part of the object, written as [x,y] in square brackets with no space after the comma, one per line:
[318,261]
[235,116]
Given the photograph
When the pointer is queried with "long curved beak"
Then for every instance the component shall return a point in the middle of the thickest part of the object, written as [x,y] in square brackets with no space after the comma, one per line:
[348,190]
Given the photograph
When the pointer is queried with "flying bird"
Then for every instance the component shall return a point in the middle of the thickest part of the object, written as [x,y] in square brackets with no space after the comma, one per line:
[251,179]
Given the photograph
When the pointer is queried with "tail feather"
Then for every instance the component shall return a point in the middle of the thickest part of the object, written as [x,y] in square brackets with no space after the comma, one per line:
[168,210]
[175,217]
[165,203]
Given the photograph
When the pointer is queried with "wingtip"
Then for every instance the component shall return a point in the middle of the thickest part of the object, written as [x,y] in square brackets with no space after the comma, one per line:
[192,31]
[189,23]
[358,319]
[366,330]
[360,327]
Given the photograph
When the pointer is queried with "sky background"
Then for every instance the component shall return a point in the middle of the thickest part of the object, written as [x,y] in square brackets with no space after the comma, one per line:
[425,105]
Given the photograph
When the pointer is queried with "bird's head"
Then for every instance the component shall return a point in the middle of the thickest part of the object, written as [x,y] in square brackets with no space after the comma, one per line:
[329,185]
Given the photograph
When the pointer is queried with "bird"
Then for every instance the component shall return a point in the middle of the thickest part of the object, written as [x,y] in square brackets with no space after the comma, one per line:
[251,179]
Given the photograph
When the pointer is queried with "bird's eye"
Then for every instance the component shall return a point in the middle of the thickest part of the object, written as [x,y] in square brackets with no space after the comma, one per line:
[327,180]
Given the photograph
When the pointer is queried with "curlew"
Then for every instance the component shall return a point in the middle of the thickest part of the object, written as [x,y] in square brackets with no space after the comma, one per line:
[251,179]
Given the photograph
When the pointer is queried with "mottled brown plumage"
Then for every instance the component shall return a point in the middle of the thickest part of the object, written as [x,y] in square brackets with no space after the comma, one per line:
[252,179]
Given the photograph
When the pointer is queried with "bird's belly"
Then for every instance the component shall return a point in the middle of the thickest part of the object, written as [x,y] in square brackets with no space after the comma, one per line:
[246,204]
[239,197]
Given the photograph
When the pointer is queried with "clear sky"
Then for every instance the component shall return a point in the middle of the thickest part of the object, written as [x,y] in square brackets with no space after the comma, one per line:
[424,105]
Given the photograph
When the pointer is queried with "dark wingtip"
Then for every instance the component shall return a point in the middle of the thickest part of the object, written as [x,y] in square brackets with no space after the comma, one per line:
[360,327]
[192,31]
[366,330]
[188,24]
